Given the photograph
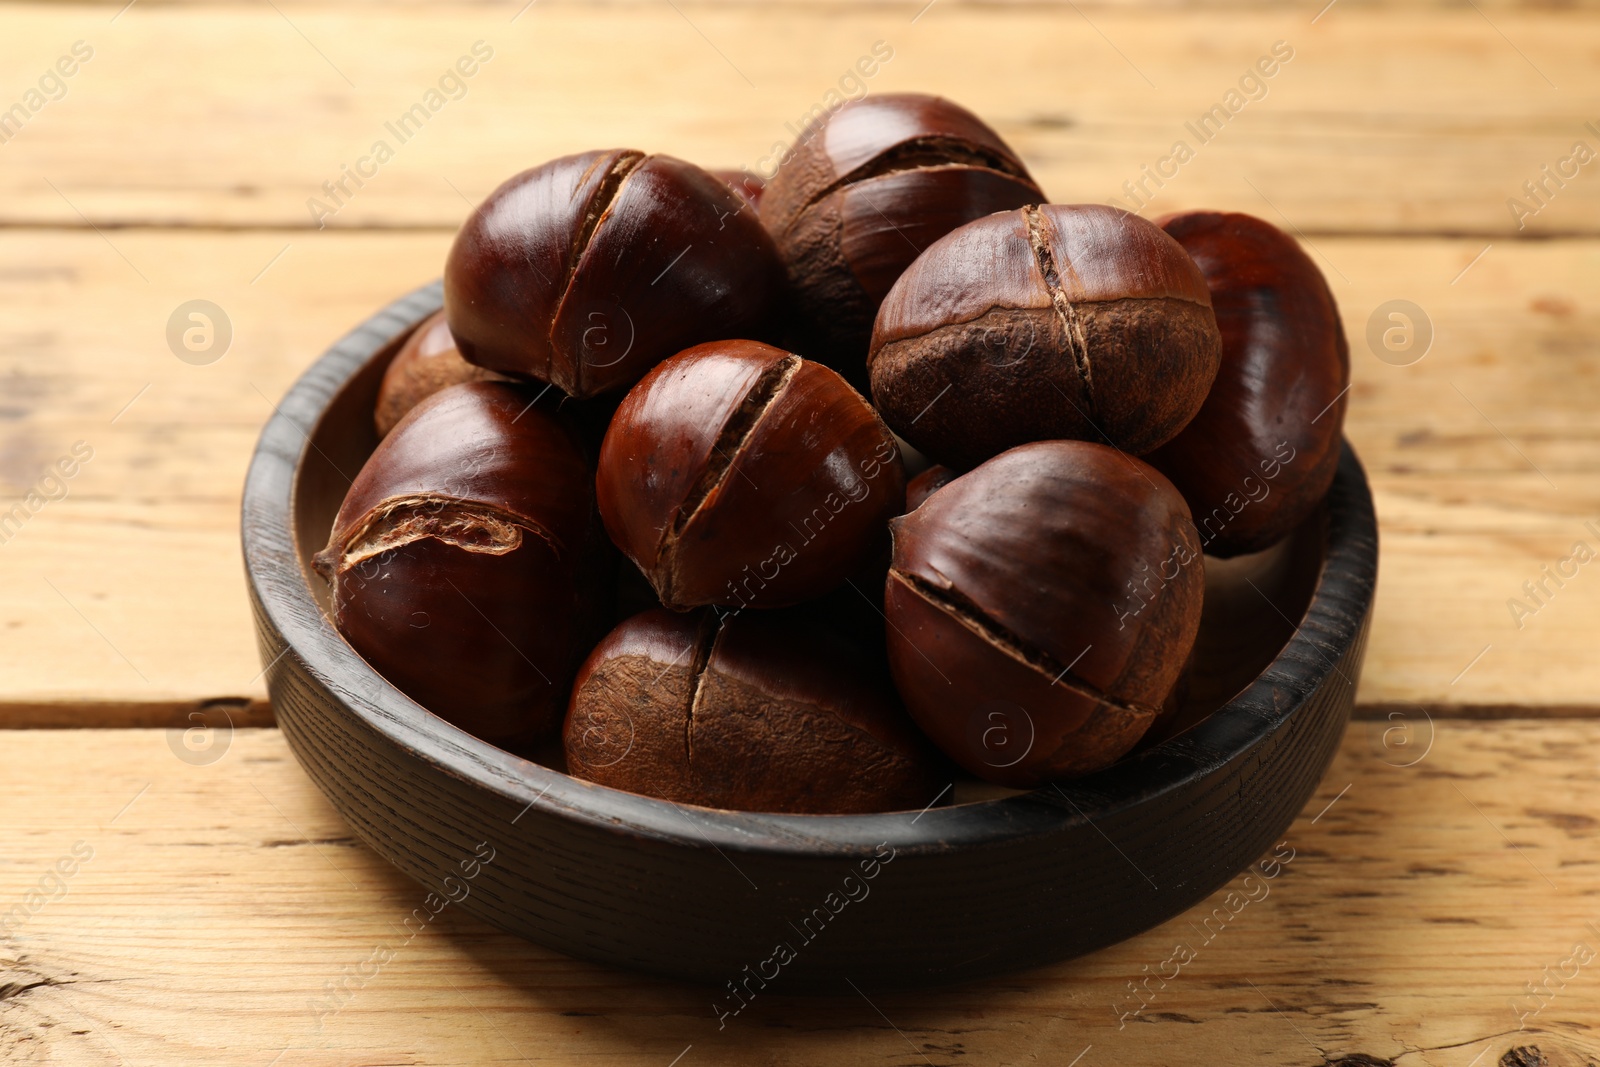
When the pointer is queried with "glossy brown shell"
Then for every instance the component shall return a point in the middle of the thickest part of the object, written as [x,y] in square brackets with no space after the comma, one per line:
[866,189]
[927,483]
[755,711]
[465,560]
[742,475]
[1262,450]
[1075,321]
[1040,609]
[589,270]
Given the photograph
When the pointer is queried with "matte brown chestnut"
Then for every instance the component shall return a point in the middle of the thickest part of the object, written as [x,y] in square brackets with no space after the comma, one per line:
[1040,609]
[589,270]
[1080,322]
[866,189]
[467,564]
[425,364]
[757,711]
[927,483]
[1263,449]
[739,474]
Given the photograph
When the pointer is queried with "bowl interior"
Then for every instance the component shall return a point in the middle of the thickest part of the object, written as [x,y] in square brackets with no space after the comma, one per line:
[1253,604]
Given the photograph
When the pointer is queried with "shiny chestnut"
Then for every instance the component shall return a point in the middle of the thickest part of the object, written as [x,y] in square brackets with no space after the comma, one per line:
[927,483]
[428,362]
[589,270]
[869,186]
[1040,608]
[739,474]
[749,187]
[755,711]
[466,562]
[1264,447]
[1079,322]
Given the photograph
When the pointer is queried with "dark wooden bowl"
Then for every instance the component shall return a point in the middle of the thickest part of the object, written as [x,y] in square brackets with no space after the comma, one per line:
[781,903]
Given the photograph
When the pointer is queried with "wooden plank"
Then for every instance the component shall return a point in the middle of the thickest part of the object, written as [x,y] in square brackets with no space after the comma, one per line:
[125,601]
[222,900]
[1423,120]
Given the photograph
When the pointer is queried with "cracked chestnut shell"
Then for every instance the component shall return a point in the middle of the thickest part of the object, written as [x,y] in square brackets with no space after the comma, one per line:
[1264,447]
[1078,321]
[755,711]
[1040,609]
[866,189]
[467,563]
[740,474]
[589,270]
[428,362]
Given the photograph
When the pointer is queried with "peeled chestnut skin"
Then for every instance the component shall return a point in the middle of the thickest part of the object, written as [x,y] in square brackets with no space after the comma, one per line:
[753,711]
[1073,322]
[1040,609]
[742,475]
[1264,447]
[466,563]
[866,188]
[589,270]
[428,362]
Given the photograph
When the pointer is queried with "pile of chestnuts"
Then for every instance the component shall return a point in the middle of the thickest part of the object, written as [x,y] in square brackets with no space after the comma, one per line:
[640,504]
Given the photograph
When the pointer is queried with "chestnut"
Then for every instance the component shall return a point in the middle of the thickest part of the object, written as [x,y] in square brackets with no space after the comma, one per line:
[927,483]
[466,563]
[742,475]
[747,185]
[1080,322]
[1040,608]
[589,270]
[866,188]
[756,711]
[1262,451]
[425,364]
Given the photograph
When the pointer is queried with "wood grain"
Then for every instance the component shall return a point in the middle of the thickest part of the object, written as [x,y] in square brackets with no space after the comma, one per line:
[143,553]
[1423,120]
[220,901]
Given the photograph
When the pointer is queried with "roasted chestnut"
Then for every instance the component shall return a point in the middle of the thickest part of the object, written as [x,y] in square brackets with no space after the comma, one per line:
[747,185]
[425,364]
[755,711]
[742,475]
[589,270]
[867,188]
[467,564]
[1264,447]
[1040,608]
[927,483]
[1080,322]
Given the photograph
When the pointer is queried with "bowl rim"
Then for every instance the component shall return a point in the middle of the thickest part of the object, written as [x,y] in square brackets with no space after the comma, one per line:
[1341,599]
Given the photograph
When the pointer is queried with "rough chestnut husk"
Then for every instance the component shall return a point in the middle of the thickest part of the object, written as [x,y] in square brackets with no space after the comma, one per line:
[755,711]
[1040,608]
[1079,322]
[467,564]
[742,475]
[1262,451]
[589,270]
[866,189]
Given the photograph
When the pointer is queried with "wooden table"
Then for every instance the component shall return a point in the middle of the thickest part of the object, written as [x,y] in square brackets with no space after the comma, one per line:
[163,905]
